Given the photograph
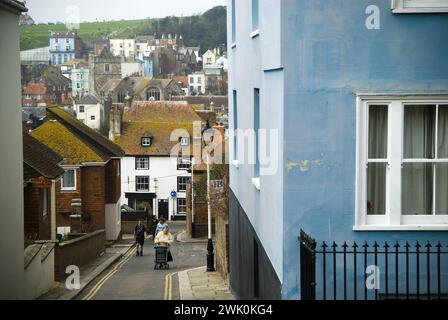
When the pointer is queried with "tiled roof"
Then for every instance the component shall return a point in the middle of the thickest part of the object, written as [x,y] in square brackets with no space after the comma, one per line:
[75,141]
[39,160]
[183,79]
[60,139]
[157,120]
[132,85]
[97,140]
[35,88]
[110,85]
[16,5]
[89,98]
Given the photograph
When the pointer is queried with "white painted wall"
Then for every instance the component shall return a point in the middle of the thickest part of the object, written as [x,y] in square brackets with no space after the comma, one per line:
[39,276]
[196,81]
[11,169]
[113,220]
[90,110]
[164,169]
[131,68]
[119,46]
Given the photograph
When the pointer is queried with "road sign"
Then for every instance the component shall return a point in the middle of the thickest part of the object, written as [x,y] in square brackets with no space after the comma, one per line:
[173,194]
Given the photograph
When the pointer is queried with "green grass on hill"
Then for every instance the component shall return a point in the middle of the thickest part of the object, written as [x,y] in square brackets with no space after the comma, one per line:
[207,31]
[38,36]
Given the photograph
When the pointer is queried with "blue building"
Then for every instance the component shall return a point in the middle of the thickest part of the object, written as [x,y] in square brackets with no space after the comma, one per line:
[64,46]
[352,96]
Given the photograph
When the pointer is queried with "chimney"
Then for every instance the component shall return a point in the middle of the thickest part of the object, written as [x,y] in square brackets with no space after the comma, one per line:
[116,118]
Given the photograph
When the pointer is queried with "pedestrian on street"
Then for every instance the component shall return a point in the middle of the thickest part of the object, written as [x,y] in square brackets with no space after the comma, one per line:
[160,226]
[140,236]
[165,239]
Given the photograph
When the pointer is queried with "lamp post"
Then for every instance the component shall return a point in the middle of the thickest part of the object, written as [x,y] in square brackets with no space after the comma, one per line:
[210,254]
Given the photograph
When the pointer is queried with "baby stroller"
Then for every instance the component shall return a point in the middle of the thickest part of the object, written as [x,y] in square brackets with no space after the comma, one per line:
[161,258]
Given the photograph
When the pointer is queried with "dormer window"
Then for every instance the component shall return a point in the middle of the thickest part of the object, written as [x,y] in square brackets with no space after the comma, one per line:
[185,141]
[146,141]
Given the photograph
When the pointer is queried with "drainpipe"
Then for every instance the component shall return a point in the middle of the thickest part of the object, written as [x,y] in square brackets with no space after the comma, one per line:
[53,210]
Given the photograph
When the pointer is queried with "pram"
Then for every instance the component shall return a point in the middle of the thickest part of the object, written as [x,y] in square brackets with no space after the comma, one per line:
[161,258]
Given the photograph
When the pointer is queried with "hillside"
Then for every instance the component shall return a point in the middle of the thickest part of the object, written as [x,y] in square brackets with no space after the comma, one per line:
[207,30]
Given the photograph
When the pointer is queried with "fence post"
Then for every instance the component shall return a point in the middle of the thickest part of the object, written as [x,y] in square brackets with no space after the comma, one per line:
[307,266]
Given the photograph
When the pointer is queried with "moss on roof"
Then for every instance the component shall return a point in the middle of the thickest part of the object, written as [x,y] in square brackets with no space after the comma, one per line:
[61,140]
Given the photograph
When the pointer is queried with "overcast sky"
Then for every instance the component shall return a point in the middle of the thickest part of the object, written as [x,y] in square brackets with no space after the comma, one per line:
[91,10]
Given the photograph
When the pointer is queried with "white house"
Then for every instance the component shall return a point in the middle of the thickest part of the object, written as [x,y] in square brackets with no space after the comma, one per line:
[122,47]
[89,110]
[208,58]
[151,131]
[223,62]
[132,67]
[196,83]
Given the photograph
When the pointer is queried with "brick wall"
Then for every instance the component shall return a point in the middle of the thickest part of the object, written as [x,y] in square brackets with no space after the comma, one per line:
[78,252]
[113,181]
[94,196]
[64,201]
[36,225]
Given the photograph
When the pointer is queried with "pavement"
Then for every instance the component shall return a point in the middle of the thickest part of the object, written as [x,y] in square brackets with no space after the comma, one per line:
[198,284]
[120,275]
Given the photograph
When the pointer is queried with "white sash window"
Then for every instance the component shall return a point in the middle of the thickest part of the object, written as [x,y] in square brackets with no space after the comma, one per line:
[402,164]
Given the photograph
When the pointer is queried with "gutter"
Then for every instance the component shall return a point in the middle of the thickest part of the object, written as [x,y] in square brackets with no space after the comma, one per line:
[13,6]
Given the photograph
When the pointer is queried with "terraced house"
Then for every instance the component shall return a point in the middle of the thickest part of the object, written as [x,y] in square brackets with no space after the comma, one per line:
[355,93]
[150,133]
[88,195]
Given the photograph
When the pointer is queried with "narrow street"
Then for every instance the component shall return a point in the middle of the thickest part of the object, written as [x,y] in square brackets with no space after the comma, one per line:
[134,278]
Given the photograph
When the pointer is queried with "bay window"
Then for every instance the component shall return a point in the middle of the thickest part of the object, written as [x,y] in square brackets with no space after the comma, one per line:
[402,174]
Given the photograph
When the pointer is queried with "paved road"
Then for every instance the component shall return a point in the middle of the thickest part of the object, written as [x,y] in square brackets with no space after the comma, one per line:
[134,278]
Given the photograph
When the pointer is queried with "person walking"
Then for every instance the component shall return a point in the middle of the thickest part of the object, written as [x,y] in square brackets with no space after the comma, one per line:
[165,239]
[140,236]
[160,226]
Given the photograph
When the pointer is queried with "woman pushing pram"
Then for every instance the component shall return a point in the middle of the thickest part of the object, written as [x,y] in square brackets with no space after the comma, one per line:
[163,242]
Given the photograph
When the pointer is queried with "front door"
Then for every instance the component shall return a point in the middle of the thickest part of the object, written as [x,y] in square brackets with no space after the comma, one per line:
[163,209]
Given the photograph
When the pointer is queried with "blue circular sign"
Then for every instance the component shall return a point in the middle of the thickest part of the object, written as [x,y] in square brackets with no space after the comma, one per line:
[173,194]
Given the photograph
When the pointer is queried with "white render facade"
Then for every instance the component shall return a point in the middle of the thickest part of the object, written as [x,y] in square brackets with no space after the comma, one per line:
[163,175]
[89,114]
[196,83]
[122,47]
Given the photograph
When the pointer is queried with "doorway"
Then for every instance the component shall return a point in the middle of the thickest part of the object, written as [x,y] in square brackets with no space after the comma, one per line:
[163,209]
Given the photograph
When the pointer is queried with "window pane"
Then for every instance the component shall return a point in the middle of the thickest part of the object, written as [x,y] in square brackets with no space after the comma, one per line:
[442,189]
[417,188]
[443,132]
[378,119]
[68,179]
[376,189]
[419,132]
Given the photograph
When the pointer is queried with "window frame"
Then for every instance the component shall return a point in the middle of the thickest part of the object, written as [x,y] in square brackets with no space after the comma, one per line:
[146,145]
[433,6]
[69,189]
[183,166]
[45,202]
[182,213]
[137,183]
[393,218]
[137,159]
[184,141]
[179,183]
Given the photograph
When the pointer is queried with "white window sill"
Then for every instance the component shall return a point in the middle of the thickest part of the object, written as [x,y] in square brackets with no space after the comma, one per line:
[68,190]
[441,227]
[420,10]
[256,183]
[255,34]
[233,45]
[236,163]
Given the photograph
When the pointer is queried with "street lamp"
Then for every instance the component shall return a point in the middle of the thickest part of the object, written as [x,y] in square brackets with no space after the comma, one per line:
[210,254]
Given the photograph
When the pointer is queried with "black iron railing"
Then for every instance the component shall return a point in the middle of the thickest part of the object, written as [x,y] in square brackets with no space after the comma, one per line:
[398,271]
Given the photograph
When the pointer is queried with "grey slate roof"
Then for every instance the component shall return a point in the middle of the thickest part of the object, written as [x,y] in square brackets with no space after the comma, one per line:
[89,98]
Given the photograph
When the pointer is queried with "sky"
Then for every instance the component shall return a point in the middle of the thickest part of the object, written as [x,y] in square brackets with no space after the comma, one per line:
[93,10]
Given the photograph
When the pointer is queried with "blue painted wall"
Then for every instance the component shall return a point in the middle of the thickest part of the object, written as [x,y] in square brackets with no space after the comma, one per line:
[328,55]
[58,50]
